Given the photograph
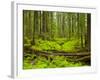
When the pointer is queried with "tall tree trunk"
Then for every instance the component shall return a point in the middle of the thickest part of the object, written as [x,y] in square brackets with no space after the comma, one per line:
[88,35]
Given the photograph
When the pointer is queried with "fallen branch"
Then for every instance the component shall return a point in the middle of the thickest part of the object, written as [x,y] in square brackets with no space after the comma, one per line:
[85,58]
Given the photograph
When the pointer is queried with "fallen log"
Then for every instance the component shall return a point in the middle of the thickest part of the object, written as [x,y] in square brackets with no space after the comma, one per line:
[45,53]
[85,58]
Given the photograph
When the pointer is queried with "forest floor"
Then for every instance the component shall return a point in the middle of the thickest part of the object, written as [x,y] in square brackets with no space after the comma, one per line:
[55,54]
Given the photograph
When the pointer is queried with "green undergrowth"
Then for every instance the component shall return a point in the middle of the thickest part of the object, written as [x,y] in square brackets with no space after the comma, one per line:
[43,62]
[58,45]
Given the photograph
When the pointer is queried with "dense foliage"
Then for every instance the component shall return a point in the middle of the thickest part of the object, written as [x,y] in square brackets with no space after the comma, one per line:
[43,62]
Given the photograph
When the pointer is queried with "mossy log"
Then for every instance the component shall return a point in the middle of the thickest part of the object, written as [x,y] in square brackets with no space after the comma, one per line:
[45,53]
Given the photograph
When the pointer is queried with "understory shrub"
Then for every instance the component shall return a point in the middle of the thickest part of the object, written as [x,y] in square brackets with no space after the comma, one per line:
[58,45]
[46,45]
[71,46]
[57,62]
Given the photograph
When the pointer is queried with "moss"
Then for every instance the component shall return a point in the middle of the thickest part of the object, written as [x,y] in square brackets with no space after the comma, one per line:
[71,46]
[57,62]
